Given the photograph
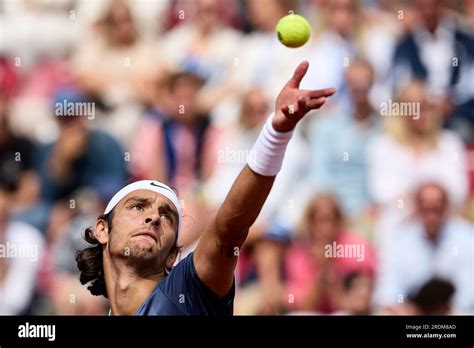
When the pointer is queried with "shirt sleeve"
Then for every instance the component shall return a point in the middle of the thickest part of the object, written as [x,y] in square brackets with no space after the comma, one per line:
[189,293]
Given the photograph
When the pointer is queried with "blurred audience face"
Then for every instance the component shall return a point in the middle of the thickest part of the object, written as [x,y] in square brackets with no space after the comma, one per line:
[360,77]
[119,24]
[429,118]
[207,14]
[184,92]
[430,12]
[341,15]
[432,204]
[325,219]
[264,14]
[254,109]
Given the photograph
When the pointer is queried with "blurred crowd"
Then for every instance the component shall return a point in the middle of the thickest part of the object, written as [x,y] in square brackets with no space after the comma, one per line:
[373,210]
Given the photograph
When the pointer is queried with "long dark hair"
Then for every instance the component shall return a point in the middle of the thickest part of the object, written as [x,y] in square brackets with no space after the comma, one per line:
[89,260]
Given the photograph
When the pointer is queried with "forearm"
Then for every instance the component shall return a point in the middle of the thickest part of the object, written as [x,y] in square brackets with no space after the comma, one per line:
[252,187]
[242,205]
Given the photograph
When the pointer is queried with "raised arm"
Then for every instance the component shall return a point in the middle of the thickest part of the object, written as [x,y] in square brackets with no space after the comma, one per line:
[216,255]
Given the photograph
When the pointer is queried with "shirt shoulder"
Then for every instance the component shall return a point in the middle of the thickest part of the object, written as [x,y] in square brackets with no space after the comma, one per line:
[183,293]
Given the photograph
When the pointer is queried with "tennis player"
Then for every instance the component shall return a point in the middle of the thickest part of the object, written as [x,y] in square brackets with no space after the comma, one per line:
[135,240]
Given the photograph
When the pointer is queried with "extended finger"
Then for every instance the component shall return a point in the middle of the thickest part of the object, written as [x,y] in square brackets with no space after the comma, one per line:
[315,103]
[298,75]
[327,92]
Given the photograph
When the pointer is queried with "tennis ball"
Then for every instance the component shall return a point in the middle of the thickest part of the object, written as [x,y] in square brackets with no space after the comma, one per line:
[293,30]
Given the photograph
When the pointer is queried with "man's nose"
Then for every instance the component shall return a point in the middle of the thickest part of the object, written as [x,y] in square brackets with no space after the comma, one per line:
[154,220]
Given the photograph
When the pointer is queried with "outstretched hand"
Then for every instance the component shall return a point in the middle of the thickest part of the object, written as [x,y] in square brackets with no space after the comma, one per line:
[293,104]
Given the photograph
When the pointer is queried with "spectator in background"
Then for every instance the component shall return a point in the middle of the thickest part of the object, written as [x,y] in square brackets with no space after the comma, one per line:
[8,78]
[334,43]
[313,266]
[435,243]
[440,53]
[118,68]
[179,10]
[61,278]
[264,62]
[201,44]
[80,157]
[16,165]
[434,298]
[149,16]
[382,24]
[176,143]
[414,149]
[21,251]
[37,38]
[339,144]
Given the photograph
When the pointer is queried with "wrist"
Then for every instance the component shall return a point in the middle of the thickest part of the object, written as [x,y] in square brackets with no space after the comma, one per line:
[288,127]
[266,156]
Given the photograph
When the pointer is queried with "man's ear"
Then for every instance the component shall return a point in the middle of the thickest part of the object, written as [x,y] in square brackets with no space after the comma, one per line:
[172,258]
[101,231]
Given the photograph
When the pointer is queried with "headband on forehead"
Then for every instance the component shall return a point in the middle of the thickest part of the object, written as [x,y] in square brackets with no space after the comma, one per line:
[150,185]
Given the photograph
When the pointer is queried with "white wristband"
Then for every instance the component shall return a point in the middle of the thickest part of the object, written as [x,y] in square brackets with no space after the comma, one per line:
[266,156]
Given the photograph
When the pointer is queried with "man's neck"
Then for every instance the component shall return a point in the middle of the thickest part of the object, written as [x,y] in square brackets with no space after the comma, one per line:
[363,112]
[126,290]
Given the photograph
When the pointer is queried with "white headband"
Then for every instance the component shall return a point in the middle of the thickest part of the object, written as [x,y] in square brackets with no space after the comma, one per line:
[151,185]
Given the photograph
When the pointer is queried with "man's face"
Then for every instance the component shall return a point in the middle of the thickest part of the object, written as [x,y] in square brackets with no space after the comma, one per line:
[207,13]
[185,97]
[341,16]
[359,79]
[430,12]
[144,228]
[325,222]
[432,208]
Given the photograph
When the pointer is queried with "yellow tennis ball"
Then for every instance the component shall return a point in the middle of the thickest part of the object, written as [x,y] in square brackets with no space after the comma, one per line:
[293,30]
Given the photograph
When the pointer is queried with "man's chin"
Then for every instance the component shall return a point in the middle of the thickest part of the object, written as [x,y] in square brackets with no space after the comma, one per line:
[145,242]
[142,249]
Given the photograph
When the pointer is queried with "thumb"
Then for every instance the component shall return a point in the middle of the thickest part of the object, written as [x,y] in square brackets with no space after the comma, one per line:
[298,75]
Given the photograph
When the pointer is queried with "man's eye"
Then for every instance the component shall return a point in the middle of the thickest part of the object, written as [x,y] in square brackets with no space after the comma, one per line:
[137,207]
[166,216]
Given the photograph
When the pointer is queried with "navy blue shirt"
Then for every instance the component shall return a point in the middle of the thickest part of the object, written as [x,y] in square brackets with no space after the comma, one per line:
[183,293]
